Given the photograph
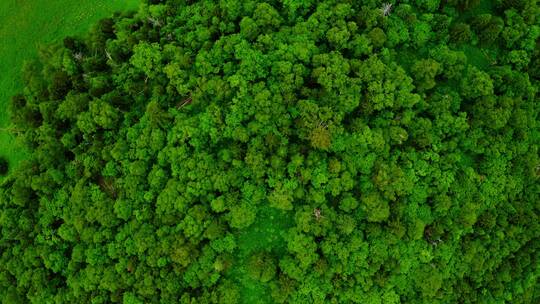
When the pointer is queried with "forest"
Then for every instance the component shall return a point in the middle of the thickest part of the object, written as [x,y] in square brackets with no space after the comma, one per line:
[279,151]
[25,27]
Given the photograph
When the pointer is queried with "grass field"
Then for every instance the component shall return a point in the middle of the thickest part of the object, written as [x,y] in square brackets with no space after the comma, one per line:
[24,25]
[266,234]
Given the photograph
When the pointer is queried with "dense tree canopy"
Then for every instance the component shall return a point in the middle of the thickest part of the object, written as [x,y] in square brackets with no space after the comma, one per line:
[281,152]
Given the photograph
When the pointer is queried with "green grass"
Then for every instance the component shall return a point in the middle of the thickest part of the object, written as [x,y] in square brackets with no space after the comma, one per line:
[26,24]
[266,234]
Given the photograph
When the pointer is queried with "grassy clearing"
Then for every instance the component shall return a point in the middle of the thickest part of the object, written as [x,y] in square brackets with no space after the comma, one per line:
[266,234]
[24,25]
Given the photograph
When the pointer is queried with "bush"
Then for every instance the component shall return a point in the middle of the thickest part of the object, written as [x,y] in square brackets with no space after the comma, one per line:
[4,166]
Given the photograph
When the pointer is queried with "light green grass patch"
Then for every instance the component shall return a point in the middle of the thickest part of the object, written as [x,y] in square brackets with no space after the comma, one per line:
[266,234]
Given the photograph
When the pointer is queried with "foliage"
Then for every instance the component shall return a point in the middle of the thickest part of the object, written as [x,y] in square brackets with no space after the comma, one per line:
[4,166]
[24,27]
[280,151]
